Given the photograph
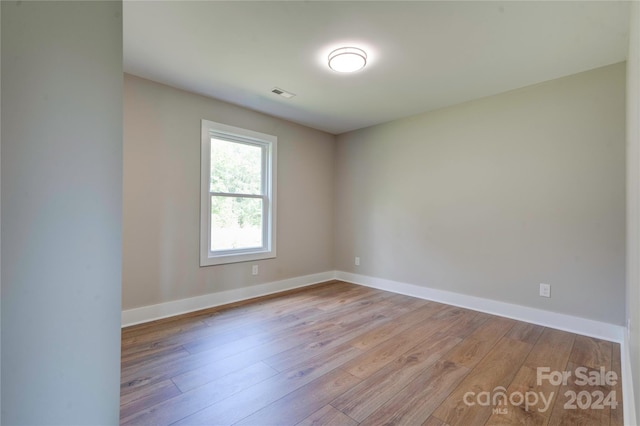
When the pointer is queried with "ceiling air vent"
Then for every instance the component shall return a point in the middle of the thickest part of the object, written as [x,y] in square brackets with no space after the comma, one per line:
[282,93]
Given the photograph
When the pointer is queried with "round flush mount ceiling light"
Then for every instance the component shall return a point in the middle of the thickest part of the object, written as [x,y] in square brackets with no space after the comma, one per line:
[347,59]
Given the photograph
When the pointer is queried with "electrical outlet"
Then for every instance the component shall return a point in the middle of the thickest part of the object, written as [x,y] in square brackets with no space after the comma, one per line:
[357,261]
[545,290]
[254,270]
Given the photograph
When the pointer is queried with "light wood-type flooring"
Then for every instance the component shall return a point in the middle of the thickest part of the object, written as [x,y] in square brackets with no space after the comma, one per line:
[343,354]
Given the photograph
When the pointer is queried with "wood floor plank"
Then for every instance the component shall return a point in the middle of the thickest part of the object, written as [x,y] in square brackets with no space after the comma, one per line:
[301,403]
[307,329]
[376,358]
[154,359]
[529,410]
[479,343]
[257,397]
[349,297]
[404,304]
[384,332]
[160,370]
[434,421]
[414,404]
[214,337]
[296,304]
[525,332]
[132,379]
[147,396]
[469,322]
[336,357]
[208,365]
[591,352]
[279,338]
[566,413]
[175,408]
[152,329]
[130,338]
[311,347]
[258,335]
[211,371]
[143,356]
[160,352]
[270,304]
[552,350]
[498,368]
[328,416]
[362,400]
[292,318]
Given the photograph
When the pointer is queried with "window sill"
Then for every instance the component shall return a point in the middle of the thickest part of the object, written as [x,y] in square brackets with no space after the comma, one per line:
[236,258]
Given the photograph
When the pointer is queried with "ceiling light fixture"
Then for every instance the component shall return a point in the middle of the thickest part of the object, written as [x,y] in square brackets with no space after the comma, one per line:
[347,59]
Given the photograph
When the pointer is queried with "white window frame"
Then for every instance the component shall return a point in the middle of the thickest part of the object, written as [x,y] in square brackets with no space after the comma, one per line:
[269,144]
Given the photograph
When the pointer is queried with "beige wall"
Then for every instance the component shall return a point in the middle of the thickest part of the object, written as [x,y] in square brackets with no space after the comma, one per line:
[162,198]
[488,198]
[492,197]
[633,199]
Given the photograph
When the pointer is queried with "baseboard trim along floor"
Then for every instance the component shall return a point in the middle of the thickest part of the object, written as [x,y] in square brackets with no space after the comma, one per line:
[573,324]
[583,326]
[183,306]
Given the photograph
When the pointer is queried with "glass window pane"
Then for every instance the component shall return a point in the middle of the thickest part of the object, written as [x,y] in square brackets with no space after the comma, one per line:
[236,167]
[236,223]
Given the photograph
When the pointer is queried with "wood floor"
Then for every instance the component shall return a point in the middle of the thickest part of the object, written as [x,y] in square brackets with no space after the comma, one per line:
[342,354]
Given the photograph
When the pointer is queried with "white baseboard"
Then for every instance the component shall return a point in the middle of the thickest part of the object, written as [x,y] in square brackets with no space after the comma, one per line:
[183,306]
[586,327]
[555,320]
[628,400]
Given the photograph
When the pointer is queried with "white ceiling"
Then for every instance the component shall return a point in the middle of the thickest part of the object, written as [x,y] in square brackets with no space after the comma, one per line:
[423,55]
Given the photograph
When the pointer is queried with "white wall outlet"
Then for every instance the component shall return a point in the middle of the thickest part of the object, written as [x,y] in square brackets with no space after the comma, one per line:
[357,261]
[545,290]
[254,270]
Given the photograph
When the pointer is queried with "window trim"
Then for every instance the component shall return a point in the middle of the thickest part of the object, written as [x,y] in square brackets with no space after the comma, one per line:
[269,170]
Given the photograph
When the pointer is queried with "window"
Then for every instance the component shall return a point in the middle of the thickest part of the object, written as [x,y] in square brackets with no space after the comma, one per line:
[237,203]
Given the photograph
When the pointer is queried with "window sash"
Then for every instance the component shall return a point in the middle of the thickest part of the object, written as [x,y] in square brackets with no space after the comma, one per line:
[264,158]
[263,226]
